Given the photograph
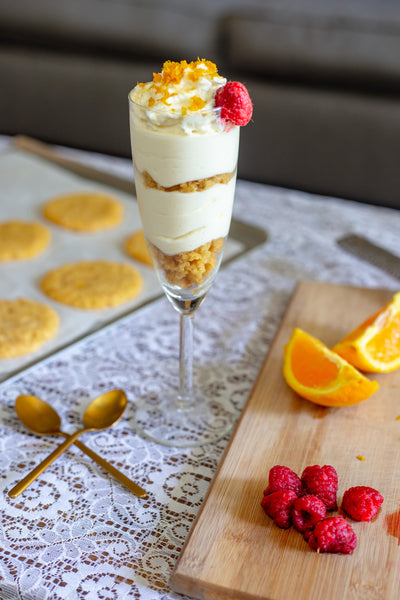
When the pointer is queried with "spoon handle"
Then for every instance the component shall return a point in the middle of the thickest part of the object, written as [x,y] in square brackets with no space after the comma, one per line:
[131,485]
[28,479]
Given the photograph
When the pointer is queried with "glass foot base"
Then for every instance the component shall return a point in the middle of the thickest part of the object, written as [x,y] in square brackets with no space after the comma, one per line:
[159,419]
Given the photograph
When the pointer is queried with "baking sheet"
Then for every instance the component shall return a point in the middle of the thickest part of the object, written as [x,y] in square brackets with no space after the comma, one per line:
[27,183]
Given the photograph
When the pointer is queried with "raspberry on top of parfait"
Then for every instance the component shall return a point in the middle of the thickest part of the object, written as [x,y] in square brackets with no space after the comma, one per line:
[235,103]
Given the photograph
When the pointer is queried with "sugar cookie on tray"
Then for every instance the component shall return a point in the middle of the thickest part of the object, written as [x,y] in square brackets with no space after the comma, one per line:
[135,245]
[84,211]
[21,240]
[92,284]
[25,325]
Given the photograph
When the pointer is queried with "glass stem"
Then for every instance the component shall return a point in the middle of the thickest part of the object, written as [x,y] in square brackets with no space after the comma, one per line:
[185,396]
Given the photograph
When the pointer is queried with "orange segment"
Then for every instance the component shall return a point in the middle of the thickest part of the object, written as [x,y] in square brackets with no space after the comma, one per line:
[316,373]
[374,346]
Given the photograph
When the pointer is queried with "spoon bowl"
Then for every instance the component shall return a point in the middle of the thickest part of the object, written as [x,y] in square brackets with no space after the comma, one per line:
[105,410]
[37,415]
[40,417]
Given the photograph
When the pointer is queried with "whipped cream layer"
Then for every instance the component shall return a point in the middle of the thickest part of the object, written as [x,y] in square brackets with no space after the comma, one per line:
[179,222]
[181,97]
[175,158]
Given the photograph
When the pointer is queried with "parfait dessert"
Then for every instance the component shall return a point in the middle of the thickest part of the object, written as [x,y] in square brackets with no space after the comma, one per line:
[184,128]
[185,141]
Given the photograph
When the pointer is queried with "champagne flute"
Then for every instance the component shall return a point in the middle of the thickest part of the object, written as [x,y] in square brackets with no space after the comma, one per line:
[185,183]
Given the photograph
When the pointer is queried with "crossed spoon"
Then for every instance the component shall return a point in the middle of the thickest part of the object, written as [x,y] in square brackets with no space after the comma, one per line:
[42,419]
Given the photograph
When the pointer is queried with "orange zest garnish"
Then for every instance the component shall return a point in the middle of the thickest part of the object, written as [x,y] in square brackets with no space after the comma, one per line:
[196,103]
[316,373]
[172,74]
[374,346]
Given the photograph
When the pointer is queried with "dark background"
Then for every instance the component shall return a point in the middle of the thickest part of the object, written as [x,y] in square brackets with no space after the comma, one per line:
[324,77]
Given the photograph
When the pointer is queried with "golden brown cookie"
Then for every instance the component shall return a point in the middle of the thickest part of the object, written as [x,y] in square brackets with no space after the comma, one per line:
[92,284]
[25,325]
[135,246]
[20,240]
[84,211]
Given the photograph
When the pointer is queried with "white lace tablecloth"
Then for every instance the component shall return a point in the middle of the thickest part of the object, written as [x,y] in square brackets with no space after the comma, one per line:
[78,534]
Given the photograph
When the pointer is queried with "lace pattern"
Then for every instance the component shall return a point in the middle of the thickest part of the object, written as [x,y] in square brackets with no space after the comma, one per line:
[78,534]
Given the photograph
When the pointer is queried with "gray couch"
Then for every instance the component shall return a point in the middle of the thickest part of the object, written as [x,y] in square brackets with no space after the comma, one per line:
[324,76]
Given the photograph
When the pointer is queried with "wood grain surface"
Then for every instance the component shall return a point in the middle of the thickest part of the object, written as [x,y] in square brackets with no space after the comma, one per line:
[234,550]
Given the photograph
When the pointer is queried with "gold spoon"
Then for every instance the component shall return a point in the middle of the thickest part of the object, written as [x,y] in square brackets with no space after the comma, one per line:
[41,418]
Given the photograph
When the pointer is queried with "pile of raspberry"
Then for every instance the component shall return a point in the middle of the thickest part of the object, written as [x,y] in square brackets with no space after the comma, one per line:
[304,501]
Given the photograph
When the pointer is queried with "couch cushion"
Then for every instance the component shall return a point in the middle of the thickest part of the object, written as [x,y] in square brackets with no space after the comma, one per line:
[164,31]
[355,42]
[325,141]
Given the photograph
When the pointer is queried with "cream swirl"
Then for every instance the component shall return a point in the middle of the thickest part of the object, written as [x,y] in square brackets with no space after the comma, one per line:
[180,98]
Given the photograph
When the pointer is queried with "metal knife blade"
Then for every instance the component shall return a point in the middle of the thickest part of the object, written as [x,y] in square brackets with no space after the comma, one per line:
[371,253]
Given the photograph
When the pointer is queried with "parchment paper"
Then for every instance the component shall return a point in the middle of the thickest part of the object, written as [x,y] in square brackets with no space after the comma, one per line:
[26,184]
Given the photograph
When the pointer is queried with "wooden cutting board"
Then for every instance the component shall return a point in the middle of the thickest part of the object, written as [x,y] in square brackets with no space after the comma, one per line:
[234,550]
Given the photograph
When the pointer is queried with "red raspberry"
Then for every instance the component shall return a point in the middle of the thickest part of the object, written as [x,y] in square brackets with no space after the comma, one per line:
[278,506]
[323,483]
[283,478]
[333,534]
[235,103]
[307,534]
[362,503]
[306,512]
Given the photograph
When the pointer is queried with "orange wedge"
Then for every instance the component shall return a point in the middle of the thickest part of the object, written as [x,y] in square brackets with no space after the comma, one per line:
[316,373]
[374,346]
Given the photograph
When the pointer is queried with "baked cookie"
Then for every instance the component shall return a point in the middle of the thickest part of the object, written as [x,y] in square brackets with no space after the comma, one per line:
[92,284]
[135,245]
[84,211]
[25,325]
[20,240]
